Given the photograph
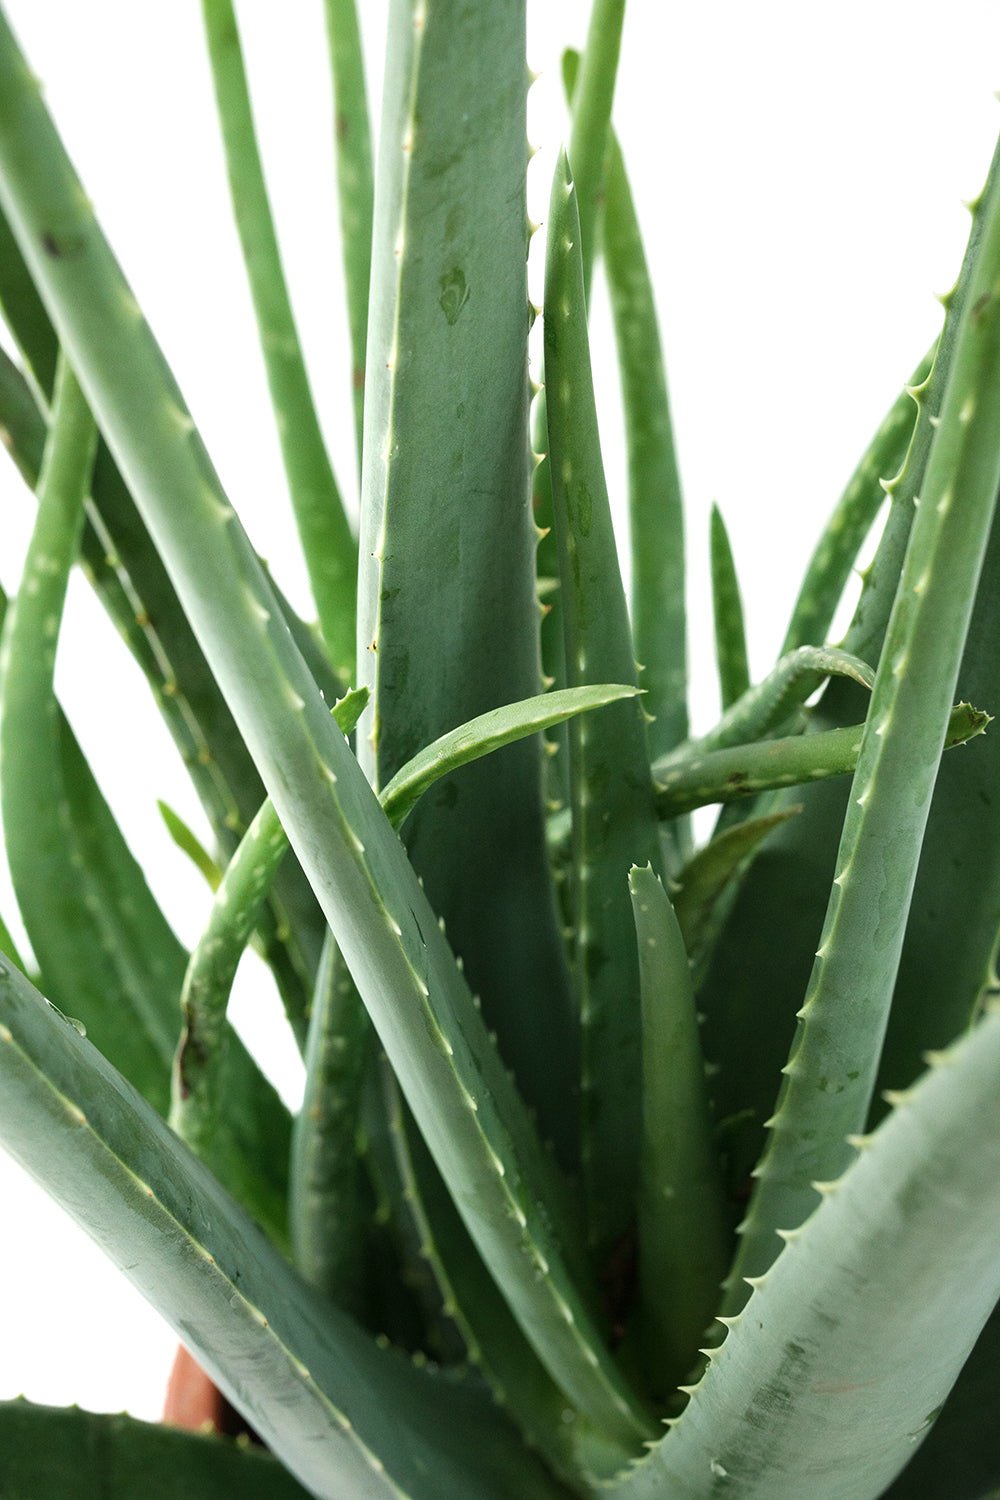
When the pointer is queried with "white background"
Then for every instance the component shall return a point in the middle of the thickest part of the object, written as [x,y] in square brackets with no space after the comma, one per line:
[799,172]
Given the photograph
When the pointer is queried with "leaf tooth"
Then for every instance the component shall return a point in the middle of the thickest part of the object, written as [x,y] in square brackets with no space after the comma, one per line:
[896,1098]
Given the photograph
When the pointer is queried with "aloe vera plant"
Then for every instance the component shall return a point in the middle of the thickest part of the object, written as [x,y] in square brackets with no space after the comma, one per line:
[630,1164]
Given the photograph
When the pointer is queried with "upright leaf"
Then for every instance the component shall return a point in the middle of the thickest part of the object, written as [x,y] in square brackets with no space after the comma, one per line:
[656,515]
[761,970]
[329,548]
[467,1108]
[131,582]
[448,620]
[683,1229]
[727,609]
[355,188]
[327,1204]
[951,935]
[592,99]
[614,822]
[831,1072]
[853,517]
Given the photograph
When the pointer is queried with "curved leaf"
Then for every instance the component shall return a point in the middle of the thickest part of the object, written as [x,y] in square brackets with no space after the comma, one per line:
[489,732]
[830,1076]
[466,1105]
[49,1452]
[344,1415]
[827,1381]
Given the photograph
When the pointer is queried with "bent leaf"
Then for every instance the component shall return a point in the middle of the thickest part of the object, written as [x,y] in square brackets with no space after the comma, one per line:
[468,1110]
[827,1381]
[345,1416]
[490,731]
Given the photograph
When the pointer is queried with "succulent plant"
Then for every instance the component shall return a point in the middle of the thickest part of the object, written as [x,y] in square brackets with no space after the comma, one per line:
[630,1164]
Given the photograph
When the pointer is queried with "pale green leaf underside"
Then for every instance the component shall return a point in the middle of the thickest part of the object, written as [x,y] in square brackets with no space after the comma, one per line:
[828,1379]
[346,1416]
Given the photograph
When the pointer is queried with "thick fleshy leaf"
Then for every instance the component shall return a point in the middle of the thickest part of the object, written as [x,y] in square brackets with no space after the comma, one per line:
[684,1233]
[829,1079]
[344,1415]
[446,516]
[827,1381]
[614,821]
[51,1452]
[760,971]
[465,1103]
[122,564]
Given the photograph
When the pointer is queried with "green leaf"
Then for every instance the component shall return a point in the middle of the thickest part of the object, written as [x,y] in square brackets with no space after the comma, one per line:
[107,955]
[330,549]
[465,1103]
[489,732]
[765,708]
[49,1451]
[327,1205]
[120,560]
[25,313]
[596,72]
[493,1341]
[852,518]
[69,927]
[725,775]
[354,185]
[830,1076]
[684,1234]
[188,843]
[761,970]
[446,516]
[345,1416]
[960,1457]
[656,517]
[614,823]
[827,1380]
[592,96]
[955,917]
[197,1093]
[706,883]
[727,609]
